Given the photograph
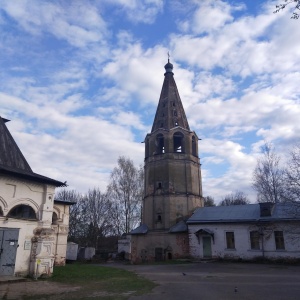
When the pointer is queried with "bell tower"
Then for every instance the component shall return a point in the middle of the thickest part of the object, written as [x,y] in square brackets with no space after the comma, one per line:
[172,167]
[173,187]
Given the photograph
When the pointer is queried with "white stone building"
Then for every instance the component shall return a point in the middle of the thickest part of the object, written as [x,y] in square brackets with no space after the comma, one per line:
[33,226]
[246,231]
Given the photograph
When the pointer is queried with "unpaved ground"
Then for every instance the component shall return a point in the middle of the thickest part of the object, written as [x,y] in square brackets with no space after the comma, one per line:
[29,289]
[207,281]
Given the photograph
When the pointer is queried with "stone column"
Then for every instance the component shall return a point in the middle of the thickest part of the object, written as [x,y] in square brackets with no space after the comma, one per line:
[42,252]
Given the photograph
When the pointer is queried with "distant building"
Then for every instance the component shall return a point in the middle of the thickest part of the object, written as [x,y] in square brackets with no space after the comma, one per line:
[33,226]
[173,188]
[246,231]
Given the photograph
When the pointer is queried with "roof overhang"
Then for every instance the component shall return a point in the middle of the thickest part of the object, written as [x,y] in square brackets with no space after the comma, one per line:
[204,231]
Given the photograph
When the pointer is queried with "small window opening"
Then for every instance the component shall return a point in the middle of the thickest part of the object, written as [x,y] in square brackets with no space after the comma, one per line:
[169,255]
[176,123]
[1,211]
[54,218]
[230,240]
[159,218]
[175,113]
[159,185]
[161,125]
[254,240]
[178,142]
[174,104]
[279,240]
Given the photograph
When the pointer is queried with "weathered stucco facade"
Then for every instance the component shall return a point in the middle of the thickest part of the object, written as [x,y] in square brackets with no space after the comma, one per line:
[242,232]
[33,226]
[172,181]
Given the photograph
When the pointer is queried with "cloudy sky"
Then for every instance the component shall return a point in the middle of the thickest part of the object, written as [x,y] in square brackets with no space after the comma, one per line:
[80,81]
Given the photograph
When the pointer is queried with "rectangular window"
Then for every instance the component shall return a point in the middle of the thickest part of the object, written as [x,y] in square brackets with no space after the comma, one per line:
[279,240]
[254,240]
[230,240]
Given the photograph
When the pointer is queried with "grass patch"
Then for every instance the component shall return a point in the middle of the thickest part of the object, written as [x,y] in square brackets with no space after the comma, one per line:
[98,282]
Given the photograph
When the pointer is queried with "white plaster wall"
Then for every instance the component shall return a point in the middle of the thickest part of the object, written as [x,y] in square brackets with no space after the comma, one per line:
[40,197]
[242,241]
[61,232]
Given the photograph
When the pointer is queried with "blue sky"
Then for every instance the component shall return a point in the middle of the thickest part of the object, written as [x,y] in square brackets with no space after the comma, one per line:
[80,81]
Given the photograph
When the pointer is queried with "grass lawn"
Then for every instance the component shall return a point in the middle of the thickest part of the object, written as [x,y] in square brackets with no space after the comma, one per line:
[97,282]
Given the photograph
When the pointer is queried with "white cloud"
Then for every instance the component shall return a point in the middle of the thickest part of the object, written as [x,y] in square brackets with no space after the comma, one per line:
[210,15]
[140,11]
[77,23]
[88,88]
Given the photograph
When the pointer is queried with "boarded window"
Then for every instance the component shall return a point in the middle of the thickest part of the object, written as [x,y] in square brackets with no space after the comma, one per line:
[254,240]
[22,212]
[279,240]
[230,240]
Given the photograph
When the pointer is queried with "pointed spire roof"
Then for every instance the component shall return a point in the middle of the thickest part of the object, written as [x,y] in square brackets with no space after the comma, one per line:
[10,154]
[170,112]
[13,162]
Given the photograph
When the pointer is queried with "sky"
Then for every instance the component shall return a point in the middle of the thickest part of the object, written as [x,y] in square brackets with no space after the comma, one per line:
[80,82]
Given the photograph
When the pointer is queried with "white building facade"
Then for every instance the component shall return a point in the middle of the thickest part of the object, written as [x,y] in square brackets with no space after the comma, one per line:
[245,232]
[33,226]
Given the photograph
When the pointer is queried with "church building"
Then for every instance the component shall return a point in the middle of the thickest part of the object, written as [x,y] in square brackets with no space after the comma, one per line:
[33,225]
[173,188]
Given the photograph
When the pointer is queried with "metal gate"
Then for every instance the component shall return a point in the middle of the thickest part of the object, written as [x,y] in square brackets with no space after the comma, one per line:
[9,244]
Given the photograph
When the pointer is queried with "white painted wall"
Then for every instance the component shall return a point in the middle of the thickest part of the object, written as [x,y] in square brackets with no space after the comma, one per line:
[242,241]
[14,191]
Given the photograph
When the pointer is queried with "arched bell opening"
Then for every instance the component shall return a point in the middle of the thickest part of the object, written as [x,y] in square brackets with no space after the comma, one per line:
[178,142]
[160,144]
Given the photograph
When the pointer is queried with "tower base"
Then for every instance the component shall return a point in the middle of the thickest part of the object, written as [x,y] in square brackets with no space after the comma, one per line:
[159,245]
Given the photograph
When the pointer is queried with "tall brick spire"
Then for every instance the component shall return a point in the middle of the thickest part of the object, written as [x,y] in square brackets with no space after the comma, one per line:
[170,112]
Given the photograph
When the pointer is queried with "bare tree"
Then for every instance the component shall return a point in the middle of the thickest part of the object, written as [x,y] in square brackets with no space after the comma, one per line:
[89,216]
[97,211]
[237,198]
[125,190]
[292,175]
[296,3]
[209,201]
[268,176]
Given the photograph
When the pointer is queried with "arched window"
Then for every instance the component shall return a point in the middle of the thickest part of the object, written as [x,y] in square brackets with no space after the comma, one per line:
[1,211]
[178,142]
[159,218]
[160,144]
[54,218]
[194,148]
[22,211]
